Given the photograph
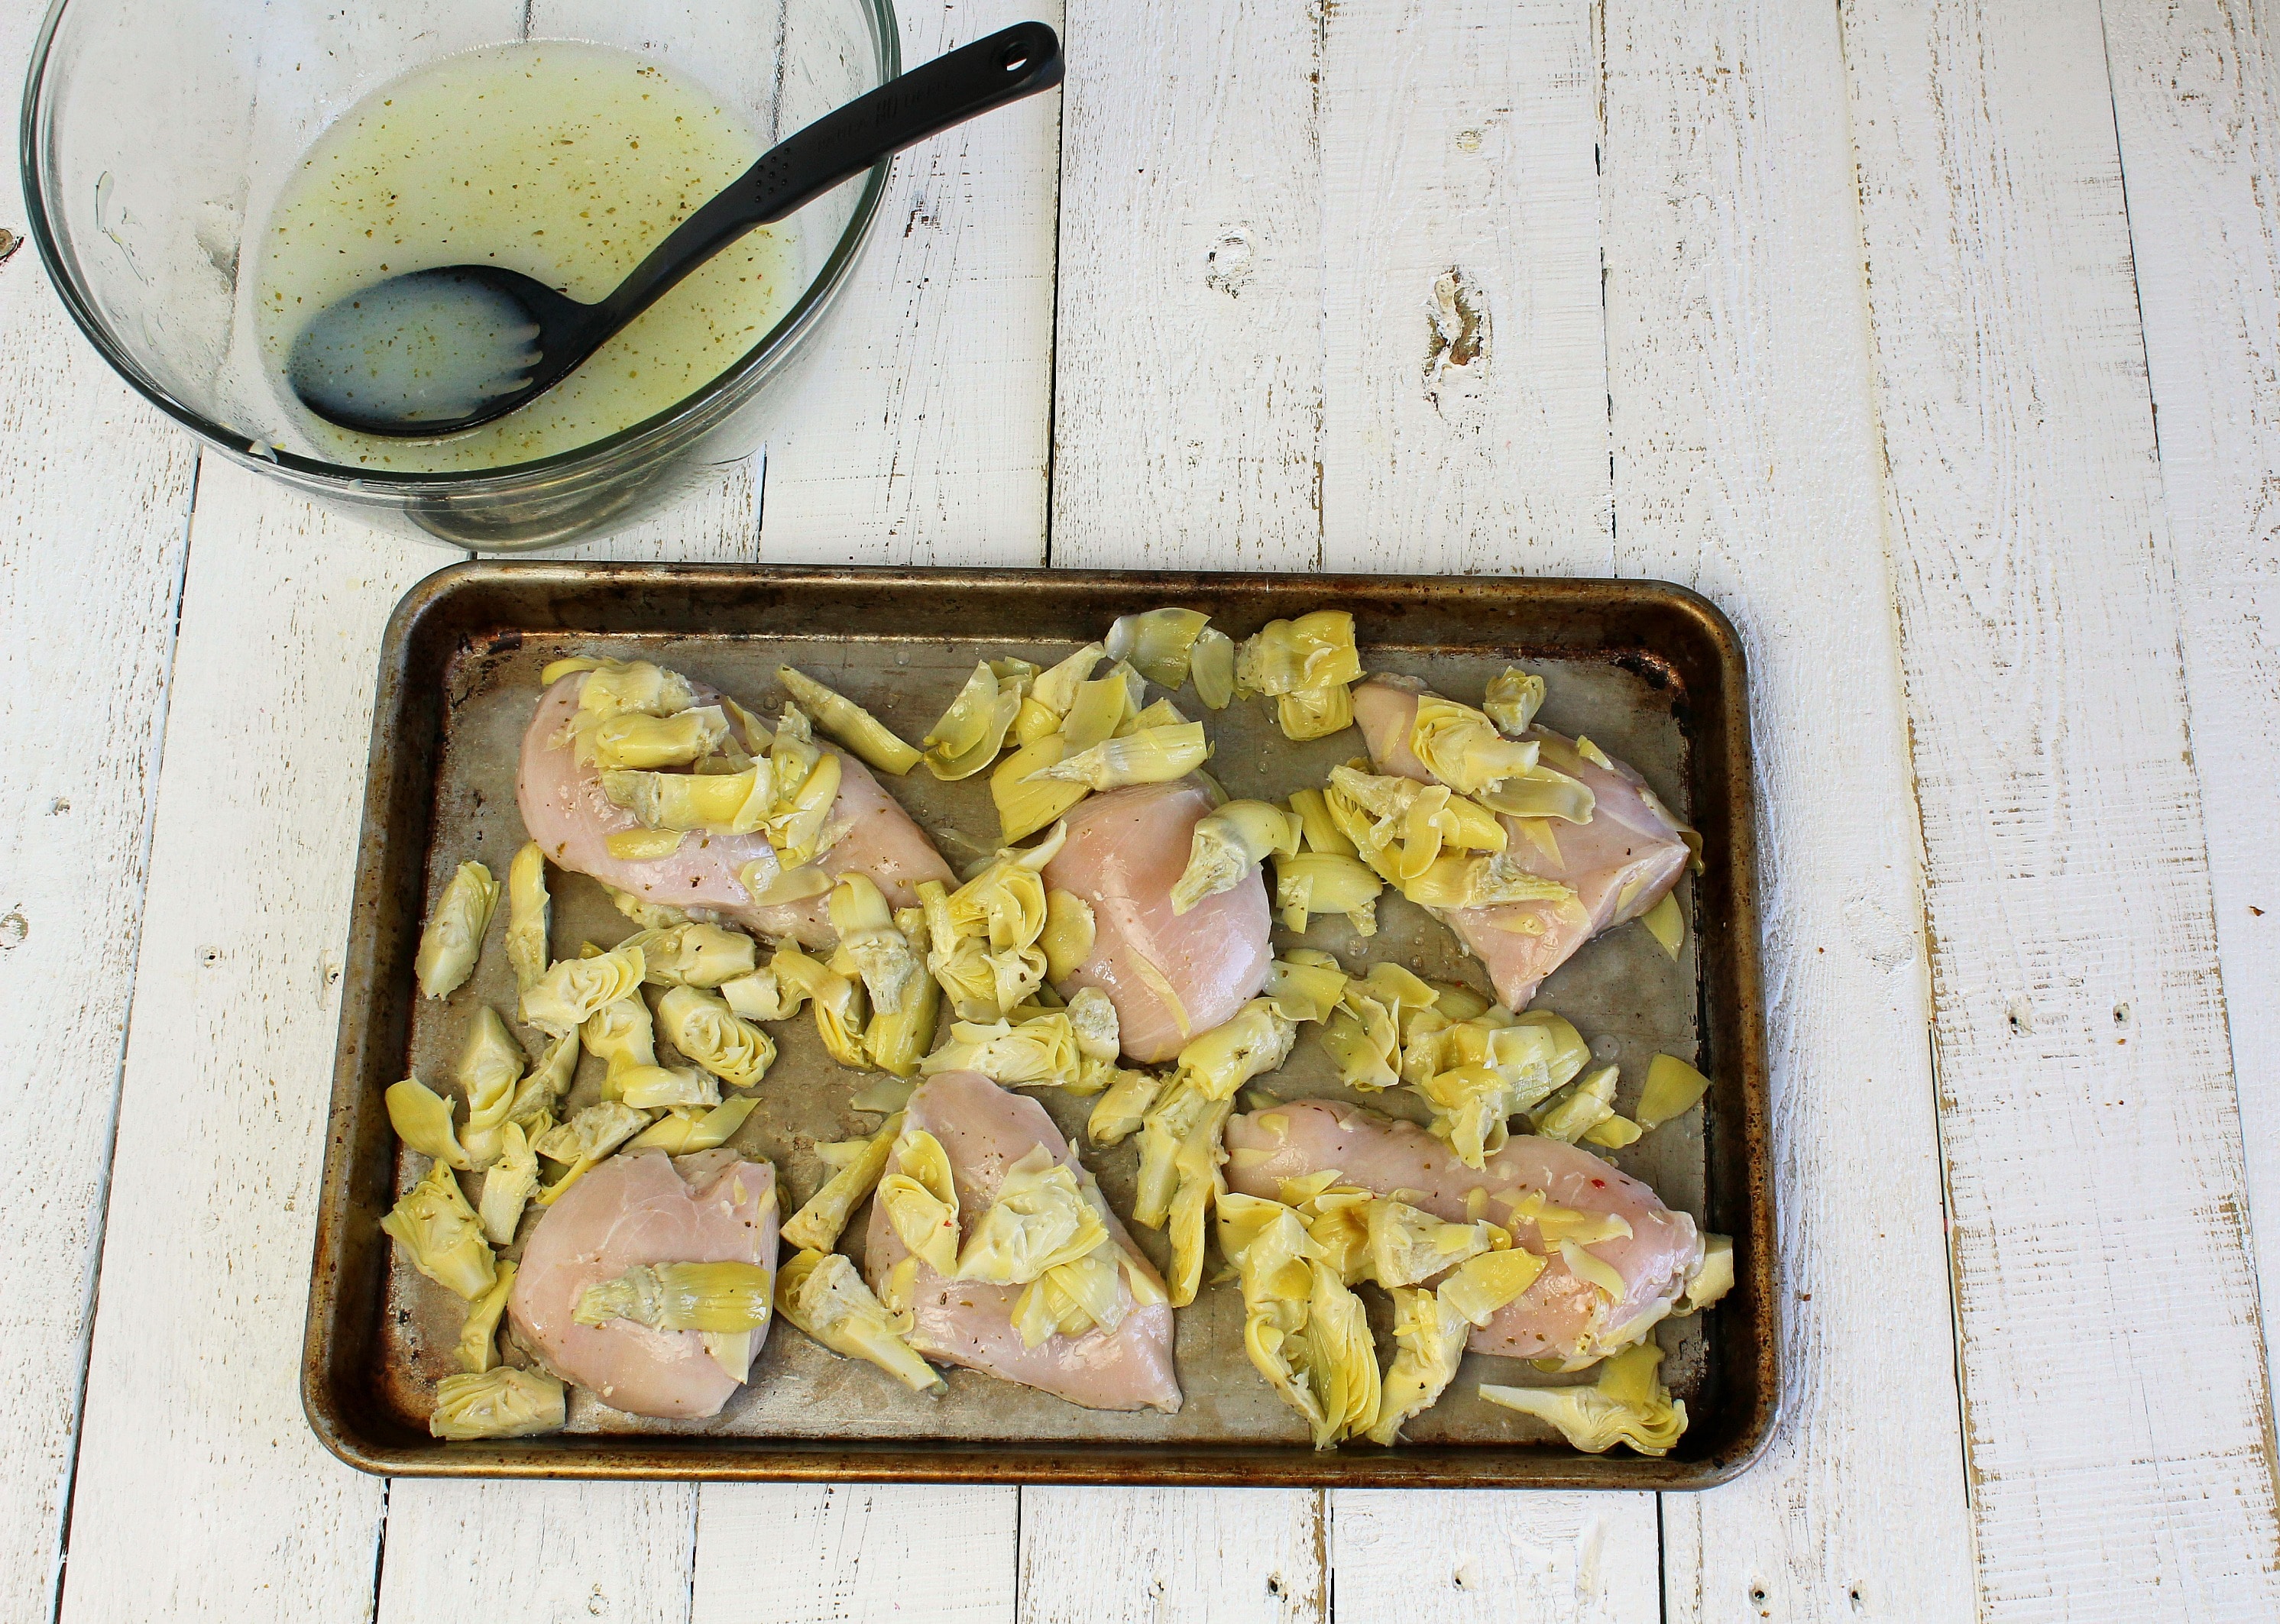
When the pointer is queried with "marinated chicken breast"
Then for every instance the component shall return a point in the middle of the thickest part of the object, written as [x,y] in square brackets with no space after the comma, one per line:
[1560,1316]
[1618,864]
[984,1130]
[567,814]
[642,1207]
[1170,975]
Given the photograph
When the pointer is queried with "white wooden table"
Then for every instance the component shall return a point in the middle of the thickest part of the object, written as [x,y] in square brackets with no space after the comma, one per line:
[1855,317]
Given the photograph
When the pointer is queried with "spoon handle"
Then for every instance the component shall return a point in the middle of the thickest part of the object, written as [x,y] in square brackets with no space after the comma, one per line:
[1001,67]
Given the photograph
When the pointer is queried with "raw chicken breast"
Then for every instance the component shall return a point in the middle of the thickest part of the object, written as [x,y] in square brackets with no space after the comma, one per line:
[1125,850]
[567,814]
[984,1130]
[1556,1314]
[643,1206]
[1629,845]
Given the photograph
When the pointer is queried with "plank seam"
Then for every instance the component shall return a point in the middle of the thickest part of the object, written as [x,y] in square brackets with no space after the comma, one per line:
[92,1297]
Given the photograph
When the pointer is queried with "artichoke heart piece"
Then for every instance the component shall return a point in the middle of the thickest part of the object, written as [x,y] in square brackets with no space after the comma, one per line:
[871,739]
[1542,792]
[770,884]
[1068,934]
[508,1186]
[868,934]
[613,687]
[530,911]
[500,1402]
[441,1236]
[1626,1404]
[1315,651]
[1056,688]
[1673,1088]
[647,742]
[644,845]
[821,1294]
[1027,803]
[970,734]
[1430,1342]
[838,999]
[478,1348]
[1212,667]
[422,1121]
[573,990]
[648,915]
[1314,713]
[818,1224]
[1461,747]
[1711,1279]
[490,1064]
[921,1200]
[686,1129]
[896,1041]
[1313,883]
[1039,1221]
[585,1139]
[652,1087]
[1228,847]
[1666,924]
[1512,700]
[1117,1115]
[701,1025]
[1072,1299]
[1306,1332]
[621,1035]
[1305,987]
[1157,643]
[1041,1049]
[724,803]
[695,955]
[1103,708]
[453,936]
[1407,1246]
[720,1298]
[1154,755]
[1255,1041]
[1199,1184]
[1580,1107]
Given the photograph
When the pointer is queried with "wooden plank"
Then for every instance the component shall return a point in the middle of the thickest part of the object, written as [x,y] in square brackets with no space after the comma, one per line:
[536,1550]
[2116,1410]
[1464,421]
[1187,405]
[856,1554]
[1107,1556]
[1459,1557]
[97,490]
[921,434]
[1746,466]
[2197,107]
[201,1491]
[1465,430]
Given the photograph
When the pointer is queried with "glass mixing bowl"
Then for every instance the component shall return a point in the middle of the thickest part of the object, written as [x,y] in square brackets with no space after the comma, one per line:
[157,134]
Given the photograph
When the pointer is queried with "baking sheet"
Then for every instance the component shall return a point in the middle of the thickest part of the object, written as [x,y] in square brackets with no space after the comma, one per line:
[902,650]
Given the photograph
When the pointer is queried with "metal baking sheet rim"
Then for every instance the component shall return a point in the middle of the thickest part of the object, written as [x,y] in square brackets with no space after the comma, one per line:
[460,603]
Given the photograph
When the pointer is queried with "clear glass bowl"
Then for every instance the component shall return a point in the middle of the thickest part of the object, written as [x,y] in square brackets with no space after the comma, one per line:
[157,134]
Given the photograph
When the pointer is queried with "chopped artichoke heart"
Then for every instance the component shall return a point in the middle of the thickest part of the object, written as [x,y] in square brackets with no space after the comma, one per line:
[1450,882]
[1580,1108]
[1666,924]
[1554,1224]
[1461,747]
[921,1200]
[821,1294]
[971,732]
[592,1134]
[1103,705]
[646,742]
[818,1225]
[1074,1299]
[1068,934]
[1512,700]
[838,1001]
[622,1034]
[1039,1221]
[1430,1342]
[1315,651]
[1711,1279]
[1255,1041]
[1150,756]
[725,802]
[1484,1285]
[422,1119]
[1119,1113]
[1304,1330]
[769,884]
[1163,714]
[1180,1108]
[1472,1107]
[1408,1245]
[1314,713]
[1040,1049]
[870,739]
[723,1298]
[704,1028]
[1211,666]
[1319,831]
[897,1039]
[1673,1088]
[508,1186]
[1590,1267]
[573,990]
[478,1348]
[1627,1404]
[453,936]
[1542,792]
[643,845]
[1025,802]
[1318,882]
[685,1129]
[1613,1133]
[650,1088]
[869,935]
[695,955]
[1302,991]
[795,826]
[439,1235]
[1228,847]
[1056,688]
[1157,643]
[763,995]
[502,1402]
[615,687]
[528,913]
